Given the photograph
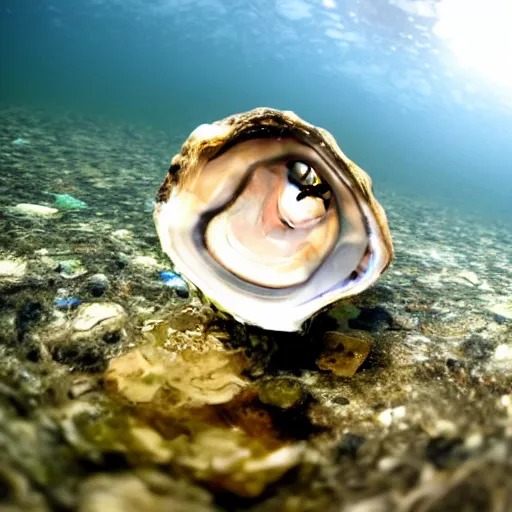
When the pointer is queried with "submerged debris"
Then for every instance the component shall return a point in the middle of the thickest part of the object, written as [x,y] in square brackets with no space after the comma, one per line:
[20,141]
[67,201]
[71,269]
[35,209]
[343,354]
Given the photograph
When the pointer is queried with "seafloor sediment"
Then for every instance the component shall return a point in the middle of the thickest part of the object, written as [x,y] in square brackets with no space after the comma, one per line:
[119,392]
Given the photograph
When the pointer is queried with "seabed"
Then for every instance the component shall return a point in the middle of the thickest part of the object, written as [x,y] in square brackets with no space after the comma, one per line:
[120,393]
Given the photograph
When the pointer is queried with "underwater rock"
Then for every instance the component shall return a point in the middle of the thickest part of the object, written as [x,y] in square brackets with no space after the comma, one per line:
[122,234]
[213,377]
[343,354]
[391,416]
[176,282]
[470,277]
[147,491]
[145,261]
[35,209]
[106,313]
[12,269]
[445,452]
[503,310]
[97,284]
[89,338]
[267,217]
[282,392]
[503,354]
[349,445]
[230,460]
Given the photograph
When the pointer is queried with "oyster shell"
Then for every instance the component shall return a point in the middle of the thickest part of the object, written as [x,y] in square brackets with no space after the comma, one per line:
[266,216]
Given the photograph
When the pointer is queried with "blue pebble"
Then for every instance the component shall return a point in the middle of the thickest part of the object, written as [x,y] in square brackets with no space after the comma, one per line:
[176,282]
[68,303]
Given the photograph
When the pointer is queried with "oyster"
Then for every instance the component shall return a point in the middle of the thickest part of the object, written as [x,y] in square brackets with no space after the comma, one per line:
[266,216]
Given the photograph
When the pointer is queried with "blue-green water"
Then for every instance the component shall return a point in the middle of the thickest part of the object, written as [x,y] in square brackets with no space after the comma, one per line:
[387,78]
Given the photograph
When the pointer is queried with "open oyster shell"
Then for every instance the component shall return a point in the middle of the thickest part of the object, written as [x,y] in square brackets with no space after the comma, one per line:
[266,216]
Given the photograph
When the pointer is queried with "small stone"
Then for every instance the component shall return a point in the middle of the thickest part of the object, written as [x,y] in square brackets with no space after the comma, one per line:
[470,276]
[445,452]
[282,392]
[503,310]
[176,282]
[341,400]
[97,285]
[390,416]
[145,261]
[20,141]
[89,315]
[122,233]
[503,353]
[349,445]
[35,209]
[12,269]
[445,428]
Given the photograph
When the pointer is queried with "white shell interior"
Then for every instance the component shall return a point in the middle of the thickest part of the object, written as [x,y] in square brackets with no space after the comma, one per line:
[275,293]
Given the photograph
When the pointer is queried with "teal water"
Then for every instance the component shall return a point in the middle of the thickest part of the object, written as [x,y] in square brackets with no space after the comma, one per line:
[387,78]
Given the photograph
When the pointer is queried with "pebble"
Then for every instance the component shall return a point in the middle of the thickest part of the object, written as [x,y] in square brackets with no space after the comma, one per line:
[12,268]
[122,233]
[36,209]
[176,282]
[282,392]
[89,315]
[145,261]
[97,285]
[20,141]
[390,416]
[470,276]
[502,311]
[349,445]
[503,353]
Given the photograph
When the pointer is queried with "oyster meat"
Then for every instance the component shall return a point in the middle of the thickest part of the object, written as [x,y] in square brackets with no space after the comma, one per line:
[265,215]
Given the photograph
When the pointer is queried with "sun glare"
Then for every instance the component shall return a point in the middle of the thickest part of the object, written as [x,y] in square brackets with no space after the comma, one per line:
[479,32]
